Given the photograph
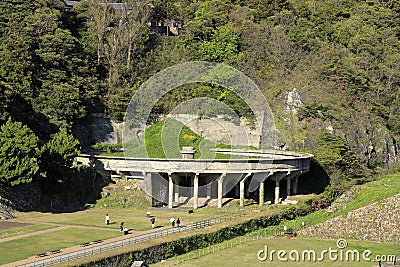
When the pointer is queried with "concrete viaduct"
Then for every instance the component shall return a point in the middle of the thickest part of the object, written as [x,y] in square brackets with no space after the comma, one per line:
[168,180]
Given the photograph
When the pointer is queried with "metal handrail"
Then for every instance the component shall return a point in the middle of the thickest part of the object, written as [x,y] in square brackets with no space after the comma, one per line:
[133,240]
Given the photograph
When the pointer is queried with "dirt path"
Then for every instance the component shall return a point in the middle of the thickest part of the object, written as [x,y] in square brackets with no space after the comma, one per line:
[57,228]
[74,248]
[74,226]
[8,225]
[33,233]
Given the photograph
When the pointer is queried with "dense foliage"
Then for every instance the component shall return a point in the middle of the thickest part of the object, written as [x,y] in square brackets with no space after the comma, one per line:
[18,154]
[22,160]
[342,56]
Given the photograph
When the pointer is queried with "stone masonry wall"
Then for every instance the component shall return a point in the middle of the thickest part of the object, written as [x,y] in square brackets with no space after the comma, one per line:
[379,222]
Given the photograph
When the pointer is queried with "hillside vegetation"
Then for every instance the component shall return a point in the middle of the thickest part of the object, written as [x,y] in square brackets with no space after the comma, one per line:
[165,139]
[329,70]
[355,198]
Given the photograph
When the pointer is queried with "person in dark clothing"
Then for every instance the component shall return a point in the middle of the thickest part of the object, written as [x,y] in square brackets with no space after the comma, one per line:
[153,221]
[178,223]
[121,226]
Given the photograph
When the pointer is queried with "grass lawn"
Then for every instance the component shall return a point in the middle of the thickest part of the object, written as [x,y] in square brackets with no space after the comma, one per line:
[369,193]
[245,254]
[23,248]
[24,230]
[94,217]
[136,218]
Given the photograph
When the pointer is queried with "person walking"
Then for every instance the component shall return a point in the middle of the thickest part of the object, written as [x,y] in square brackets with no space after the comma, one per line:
[126,231]
[153,221]
[121,227]
[172,220]
[107,219]
[178,223]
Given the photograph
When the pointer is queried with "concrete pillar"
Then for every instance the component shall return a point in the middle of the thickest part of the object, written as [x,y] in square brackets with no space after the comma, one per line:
[170,190]
[276,190]
[296,185]
[148,187]
[288,184]
[176,195]
[196,191]
[261,194]
[220,188]
[242,189]
[209,190]
[241,202]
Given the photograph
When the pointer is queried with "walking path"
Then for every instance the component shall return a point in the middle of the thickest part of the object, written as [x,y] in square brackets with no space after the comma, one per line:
[91,248]
[69,250]
[57,228]
[33,233]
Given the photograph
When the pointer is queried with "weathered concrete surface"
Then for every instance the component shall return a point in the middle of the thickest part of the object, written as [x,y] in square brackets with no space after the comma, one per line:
[271,161]
[221,130]
[249,173]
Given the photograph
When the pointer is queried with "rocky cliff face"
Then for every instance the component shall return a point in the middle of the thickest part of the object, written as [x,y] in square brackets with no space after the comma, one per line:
[365,133]
[298,121]
[98,128]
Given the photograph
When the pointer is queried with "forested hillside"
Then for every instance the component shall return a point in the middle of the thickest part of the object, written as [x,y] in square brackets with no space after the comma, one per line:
[330,70]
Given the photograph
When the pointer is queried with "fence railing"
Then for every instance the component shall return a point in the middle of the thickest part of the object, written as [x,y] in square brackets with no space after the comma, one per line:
[126,242]
[216,248]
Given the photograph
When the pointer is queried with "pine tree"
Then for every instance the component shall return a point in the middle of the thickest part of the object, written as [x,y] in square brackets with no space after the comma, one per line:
[57,156]
[18,154]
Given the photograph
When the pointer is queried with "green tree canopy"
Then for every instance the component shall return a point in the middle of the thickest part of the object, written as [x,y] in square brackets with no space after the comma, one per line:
[18,154]
[336,157]
[57,156]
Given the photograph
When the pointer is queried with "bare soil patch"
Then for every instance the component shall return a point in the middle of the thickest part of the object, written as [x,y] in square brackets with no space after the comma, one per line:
[6,225]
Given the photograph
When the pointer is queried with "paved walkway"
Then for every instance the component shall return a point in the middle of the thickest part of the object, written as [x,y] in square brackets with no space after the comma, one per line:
[132,238]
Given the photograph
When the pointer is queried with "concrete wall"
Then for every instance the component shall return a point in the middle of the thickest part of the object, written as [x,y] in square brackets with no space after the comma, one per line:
[221,130]
[100,129]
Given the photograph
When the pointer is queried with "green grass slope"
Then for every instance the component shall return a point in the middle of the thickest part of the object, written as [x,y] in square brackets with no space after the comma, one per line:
[165,139]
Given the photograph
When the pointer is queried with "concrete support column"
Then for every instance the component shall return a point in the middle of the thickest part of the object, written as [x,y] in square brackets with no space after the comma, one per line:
[288,185]
[241,202]
[209,190]
[176,195]
[170,190]
[148,186]
[242,189]
[261,194]
[296,185]
[196,191]
[220,188]
[147,183]
[276,191]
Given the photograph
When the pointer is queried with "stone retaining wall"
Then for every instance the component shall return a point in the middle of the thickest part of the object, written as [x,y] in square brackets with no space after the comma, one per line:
[379,222]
